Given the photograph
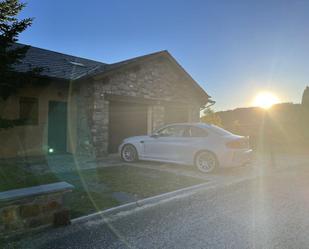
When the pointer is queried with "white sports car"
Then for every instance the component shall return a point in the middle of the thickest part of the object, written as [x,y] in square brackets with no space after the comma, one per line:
[204,145]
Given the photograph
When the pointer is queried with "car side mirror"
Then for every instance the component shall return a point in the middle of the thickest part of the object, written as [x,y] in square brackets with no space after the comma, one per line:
[155,135]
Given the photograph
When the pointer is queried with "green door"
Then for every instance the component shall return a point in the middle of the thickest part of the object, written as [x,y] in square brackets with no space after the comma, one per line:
[57,127]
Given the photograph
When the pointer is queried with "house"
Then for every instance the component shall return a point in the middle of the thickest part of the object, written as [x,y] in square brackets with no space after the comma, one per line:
[89,107]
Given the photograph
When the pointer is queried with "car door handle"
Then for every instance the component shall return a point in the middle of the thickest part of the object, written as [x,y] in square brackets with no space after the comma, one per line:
[141,142]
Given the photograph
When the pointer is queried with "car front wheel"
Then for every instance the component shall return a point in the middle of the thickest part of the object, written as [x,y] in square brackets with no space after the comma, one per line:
[206,161]
[129,153]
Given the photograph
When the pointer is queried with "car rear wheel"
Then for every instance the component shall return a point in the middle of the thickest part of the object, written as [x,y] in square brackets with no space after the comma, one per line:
[129,153]
[206,161]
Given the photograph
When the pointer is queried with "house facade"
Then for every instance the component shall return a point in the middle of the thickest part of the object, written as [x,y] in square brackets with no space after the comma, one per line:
[89,107]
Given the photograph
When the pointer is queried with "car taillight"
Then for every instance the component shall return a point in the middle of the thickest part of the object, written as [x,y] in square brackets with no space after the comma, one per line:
[242,143]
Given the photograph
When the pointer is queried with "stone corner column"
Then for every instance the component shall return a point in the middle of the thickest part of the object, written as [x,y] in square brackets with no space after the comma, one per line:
[158,116]
[100,126]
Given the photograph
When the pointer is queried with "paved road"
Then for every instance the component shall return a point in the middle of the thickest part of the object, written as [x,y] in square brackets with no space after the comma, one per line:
[268,212]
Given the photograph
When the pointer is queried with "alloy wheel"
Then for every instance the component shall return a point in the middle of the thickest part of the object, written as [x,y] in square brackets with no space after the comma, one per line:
[206,161]
[129,153]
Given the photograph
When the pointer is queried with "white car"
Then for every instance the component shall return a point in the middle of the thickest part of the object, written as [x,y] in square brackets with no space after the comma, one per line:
[204,145]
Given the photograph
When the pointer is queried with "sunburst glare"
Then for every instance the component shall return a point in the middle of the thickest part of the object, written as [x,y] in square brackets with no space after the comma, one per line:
[265,100]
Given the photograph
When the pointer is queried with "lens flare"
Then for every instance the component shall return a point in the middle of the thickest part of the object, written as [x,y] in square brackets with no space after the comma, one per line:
[265,100]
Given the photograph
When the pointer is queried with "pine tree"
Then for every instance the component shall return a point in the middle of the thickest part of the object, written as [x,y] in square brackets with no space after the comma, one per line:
[11,55]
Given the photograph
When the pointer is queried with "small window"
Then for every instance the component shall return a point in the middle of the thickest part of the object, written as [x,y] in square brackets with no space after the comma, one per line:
[195,132]
[172,131]
[29,110]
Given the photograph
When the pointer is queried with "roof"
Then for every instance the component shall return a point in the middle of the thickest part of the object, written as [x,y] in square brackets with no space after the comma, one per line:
[56,65]
[69,67]
[114,66]
[102,71]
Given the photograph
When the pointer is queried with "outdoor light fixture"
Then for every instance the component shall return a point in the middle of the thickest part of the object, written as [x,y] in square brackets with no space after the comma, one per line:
[50,150]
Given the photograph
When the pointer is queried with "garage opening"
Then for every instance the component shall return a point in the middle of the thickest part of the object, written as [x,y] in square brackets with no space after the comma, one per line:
[125,120]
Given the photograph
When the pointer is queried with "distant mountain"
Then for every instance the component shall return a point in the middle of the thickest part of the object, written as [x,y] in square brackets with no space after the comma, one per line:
[244,116]
[284,125]
[284,112]
[279,124]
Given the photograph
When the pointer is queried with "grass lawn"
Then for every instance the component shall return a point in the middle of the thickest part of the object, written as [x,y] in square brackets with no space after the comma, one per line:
[13,176]
[94,189]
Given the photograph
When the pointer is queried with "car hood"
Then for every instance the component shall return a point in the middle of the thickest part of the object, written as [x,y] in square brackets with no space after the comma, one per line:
[232,137]
[135,138]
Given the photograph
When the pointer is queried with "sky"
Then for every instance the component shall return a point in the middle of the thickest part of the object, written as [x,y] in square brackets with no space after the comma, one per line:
[233,49]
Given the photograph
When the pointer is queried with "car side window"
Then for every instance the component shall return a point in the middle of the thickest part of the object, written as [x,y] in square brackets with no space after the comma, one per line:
[172,131]
[193,131]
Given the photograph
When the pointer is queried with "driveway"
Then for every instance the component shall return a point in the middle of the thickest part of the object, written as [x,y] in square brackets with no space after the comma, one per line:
[59,164]
[67,162]
[261,165]
[270,211]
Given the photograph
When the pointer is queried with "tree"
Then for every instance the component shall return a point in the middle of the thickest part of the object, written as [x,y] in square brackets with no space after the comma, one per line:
[305,98]
[304,117]
[11,55]
[210,117]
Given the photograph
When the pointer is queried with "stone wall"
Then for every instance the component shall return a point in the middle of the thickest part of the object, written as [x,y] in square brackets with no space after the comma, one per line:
[29,213]
[155,79]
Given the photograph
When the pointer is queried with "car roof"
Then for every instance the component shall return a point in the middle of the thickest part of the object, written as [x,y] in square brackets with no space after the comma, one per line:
[201,125]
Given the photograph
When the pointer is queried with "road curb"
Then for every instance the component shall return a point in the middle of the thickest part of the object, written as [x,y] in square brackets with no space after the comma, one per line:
[107,213]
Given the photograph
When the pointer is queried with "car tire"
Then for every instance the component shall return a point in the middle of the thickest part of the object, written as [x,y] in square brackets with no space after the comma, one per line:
[129,153]
[206,161]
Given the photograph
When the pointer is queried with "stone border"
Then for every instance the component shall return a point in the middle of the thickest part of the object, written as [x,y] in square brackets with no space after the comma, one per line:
[25,209]
[20,193]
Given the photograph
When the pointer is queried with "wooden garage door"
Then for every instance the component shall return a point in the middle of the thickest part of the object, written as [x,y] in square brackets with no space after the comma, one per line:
[176,114]
[126,119]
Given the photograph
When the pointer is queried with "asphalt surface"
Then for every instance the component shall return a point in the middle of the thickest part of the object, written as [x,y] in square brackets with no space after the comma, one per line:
[267,212]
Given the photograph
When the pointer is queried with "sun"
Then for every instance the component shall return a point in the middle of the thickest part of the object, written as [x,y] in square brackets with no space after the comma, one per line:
[265,100]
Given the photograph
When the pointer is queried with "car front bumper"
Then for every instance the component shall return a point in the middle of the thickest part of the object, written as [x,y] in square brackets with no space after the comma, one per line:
[237,158]
[120,148]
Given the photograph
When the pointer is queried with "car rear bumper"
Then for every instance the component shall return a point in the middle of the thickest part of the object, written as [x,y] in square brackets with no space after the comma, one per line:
[237,158]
